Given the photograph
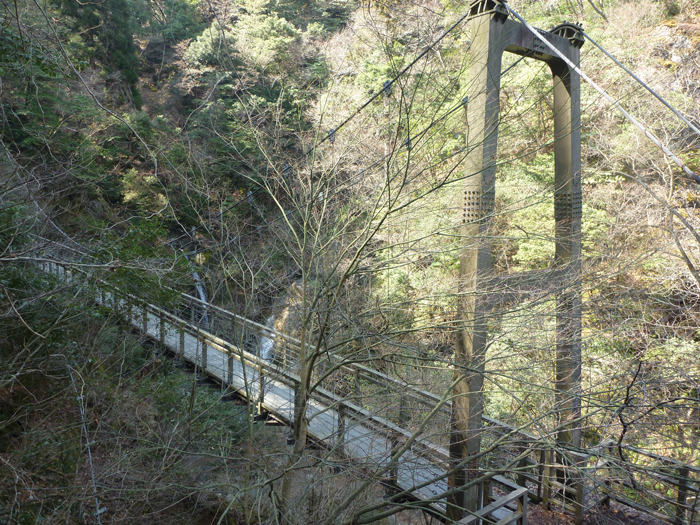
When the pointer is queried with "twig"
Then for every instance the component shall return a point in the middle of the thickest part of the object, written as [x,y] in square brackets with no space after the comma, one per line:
[20,316]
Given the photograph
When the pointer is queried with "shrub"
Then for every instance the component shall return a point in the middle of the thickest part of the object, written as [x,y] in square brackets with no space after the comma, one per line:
[213,45]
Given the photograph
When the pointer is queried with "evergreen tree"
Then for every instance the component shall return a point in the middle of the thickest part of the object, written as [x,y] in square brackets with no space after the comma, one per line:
[106,30]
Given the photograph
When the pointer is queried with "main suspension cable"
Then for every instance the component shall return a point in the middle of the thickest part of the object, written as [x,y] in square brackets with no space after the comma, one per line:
[690,173]
[387,85]
[644,84]
[331,134]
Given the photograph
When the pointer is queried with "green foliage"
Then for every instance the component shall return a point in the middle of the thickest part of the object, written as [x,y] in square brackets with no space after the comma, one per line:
[15,227]
[142,239]
[19,59]
[181,20]
[539,171]
[379,66]
[20,285]
[536,223]
[672,7]
[595,226]
[323,16]
[266,39]
[395,299]
[528,190]
[140,123]
[107,35]
[142,190]
[214,46]
[171,394]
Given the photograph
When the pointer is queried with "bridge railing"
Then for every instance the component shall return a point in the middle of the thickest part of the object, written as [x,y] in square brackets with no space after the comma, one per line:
[655,484]
[564,480]
[360,393]
[406,407]
[511,508]
[242,331]
[349,427]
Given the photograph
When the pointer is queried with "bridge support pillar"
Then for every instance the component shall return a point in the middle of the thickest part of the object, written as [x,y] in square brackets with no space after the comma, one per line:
[494,33]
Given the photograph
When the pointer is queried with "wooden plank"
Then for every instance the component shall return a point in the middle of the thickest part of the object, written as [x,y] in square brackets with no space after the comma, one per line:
[486,511]
[512,485]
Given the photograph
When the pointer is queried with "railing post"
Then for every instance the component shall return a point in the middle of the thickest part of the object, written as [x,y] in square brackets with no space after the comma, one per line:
[607,471]
[144,321]
[546,477]
[540,475]
[393,472]
[682,499]
[404,416]
[579,504]
[261,389]
[297,392]
[340,442]
[182,342]
[357,387]
[162,329]
[488,492]
[121,329]
[522,508]
[230,368]
[204,355]
[197,345]
[522,465]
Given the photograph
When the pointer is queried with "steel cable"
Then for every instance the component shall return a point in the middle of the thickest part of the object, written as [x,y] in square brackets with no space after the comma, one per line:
[689,173]
[331,134]
[644,84]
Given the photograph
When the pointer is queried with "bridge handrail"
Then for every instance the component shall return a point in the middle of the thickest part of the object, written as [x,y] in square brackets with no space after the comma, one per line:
[423,447]
[421,396]
[519,496]
[244,320]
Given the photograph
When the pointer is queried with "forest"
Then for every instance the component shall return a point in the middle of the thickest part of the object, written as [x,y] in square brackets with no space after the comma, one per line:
[304,167]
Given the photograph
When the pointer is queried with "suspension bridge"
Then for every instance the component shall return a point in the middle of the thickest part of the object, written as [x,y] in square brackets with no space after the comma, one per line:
[372,419]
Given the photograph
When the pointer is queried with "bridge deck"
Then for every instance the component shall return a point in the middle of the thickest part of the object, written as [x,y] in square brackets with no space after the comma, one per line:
[241,371]
[369,437]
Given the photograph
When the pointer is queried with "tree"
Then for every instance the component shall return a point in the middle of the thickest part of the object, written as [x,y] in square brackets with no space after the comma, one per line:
[106,29]
[354,244]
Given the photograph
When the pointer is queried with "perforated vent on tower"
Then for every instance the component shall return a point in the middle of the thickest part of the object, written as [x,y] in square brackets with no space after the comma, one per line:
[563,206]
[477,206]
[577,204]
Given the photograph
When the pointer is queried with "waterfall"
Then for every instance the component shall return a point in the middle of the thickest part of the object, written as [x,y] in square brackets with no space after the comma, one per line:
[266,349]
[202,293]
